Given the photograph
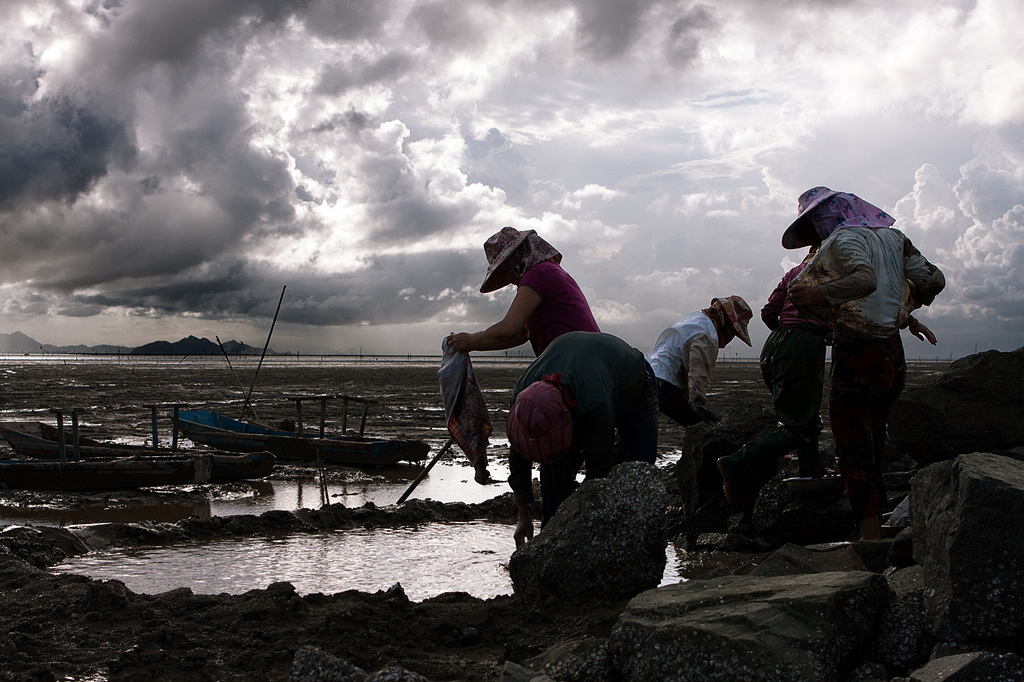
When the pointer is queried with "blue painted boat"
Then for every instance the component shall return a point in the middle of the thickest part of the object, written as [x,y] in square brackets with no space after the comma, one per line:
[218,431]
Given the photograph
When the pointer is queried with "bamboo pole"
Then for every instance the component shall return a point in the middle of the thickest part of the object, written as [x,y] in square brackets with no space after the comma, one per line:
[248,397]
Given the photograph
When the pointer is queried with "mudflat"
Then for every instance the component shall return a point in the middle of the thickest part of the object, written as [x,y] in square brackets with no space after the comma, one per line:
[72,627]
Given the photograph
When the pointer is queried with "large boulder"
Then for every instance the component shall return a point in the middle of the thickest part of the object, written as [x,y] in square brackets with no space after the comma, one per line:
[976,666]
[802,627]
[903,641]
[791,559]
[607,540]
[975,405]
[696,470]
[969,539]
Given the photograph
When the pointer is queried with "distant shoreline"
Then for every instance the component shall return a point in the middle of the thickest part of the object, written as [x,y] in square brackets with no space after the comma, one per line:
[325,358]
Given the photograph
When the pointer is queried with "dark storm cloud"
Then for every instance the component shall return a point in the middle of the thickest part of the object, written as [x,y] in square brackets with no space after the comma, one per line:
[608,28]
[351,121]
[347,19]
[154,31]
[338,78]
[447,23]
[56,150]
[685,36]
[389,289]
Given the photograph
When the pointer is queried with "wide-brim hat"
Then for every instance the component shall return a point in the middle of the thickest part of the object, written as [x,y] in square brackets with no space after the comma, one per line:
[793,237]
[816,221]
[539,425]
[510,252]
[737,313]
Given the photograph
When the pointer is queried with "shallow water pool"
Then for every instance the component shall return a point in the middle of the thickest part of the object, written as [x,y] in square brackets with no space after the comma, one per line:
[429,560]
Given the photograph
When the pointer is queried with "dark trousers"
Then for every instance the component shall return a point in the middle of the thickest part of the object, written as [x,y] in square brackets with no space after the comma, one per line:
[867,378]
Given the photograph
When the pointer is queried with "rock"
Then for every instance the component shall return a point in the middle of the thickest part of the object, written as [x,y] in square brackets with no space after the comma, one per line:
[804,627]
[697,468]
[41,545]
[793,560]
[976,405]
[575,661]
[901,554]
[607,540]
[808,522]
[968,538]
[902,641]
[978,666]
[513,672]
[316,665]
[394,673]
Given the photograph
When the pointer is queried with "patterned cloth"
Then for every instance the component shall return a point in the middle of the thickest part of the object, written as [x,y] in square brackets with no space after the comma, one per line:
[510,253]
[826,210]
[867,378]
[468,422]
[731,311]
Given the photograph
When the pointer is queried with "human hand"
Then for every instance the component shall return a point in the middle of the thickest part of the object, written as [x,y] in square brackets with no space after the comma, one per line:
[524,532]
[804,295]
[459,342]
[920,331]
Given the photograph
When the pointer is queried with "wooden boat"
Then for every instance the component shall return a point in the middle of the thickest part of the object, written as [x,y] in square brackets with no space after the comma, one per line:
[218,431]
[39,440]
[105,474]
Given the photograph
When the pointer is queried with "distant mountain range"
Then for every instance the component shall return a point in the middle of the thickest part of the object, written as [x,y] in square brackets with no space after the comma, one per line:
[21,344]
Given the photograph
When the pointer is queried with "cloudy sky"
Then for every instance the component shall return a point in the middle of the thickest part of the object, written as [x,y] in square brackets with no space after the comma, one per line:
[166,168]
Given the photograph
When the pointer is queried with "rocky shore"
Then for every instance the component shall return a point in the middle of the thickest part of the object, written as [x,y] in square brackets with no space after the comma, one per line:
[784,594]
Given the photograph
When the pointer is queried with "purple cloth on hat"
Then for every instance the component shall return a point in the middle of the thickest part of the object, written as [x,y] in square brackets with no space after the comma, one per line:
[846,210]
[563,307]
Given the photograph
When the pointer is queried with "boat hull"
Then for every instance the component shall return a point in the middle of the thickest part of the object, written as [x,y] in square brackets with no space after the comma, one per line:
[217,431]
[114,474]
[35,439]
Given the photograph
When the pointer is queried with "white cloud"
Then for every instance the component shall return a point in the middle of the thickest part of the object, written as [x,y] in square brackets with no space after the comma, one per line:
[167,162]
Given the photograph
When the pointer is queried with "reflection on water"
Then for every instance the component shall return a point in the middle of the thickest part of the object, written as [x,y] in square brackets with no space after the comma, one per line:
[429,560]
[446,482]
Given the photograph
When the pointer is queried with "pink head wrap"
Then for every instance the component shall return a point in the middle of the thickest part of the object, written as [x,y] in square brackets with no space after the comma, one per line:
[539,425]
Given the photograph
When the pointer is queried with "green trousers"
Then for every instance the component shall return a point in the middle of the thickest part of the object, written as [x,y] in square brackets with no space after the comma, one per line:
[793,368]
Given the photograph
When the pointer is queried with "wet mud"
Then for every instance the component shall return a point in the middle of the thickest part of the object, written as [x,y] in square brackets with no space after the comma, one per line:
[72,627]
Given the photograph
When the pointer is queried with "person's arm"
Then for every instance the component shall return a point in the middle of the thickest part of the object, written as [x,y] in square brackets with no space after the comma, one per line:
[703,352]
[922,332]
[520,479]
[508,333]
[524,526]
[926,279]
[848,257]
[773,308]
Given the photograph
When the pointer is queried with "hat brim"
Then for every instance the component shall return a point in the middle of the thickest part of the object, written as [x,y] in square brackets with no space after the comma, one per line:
[492,280]
[741,333]
[793,237]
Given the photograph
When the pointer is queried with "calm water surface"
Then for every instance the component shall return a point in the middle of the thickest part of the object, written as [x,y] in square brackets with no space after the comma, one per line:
[426,560]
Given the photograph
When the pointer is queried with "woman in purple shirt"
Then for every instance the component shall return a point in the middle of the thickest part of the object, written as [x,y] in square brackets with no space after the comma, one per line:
[548,303]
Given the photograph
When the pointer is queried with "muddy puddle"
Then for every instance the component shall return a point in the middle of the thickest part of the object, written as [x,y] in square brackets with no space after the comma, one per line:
[427,560]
